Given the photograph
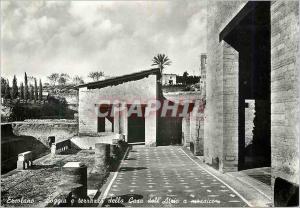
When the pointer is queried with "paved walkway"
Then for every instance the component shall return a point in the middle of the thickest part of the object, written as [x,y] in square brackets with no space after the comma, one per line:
[166,176]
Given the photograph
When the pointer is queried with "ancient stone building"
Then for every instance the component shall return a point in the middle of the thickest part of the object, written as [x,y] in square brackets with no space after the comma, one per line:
[169,79]
[116,97]
[126,89]
[252,88]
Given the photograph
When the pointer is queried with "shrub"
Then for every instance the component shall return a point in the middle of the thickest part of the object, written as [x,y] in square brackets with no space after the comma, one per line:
[54,109]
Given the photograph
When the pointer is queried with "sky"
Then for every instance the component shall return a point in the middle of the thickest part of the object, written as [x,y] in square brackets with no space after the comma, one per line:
[120,37]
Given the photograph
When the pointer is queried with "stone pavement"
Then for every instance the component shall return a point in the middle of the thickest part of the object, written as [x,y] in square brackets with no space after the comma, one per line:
[166,176]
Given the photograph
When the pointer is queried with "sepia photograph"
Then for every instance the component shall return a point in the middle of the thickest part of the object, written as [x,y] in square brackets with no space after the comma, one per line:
[150,103]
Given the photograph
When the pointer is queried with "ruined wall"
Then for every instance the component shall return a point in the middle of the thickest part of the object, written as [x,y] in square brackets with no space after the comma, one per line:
[221,13]
[42,129]
[285,90]
[32,135]
[140,90]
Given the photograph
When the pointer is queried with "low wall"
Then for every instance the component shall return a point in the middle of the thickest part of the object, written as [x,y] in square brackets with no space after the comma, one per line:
[32,135]
[62,129]
[88,142]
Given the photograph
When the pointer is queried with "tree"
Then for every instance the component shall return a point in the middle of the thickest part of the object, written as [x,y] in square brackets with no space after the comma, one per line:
[22,91]
[14,91]
[26,91]
[31,80]
[185,77]
[41,91]
[36,96]
[63,78]
[53,78]
[96,75]
[77,80]
[3,86]
[31,92]
[7,91]
[161,61]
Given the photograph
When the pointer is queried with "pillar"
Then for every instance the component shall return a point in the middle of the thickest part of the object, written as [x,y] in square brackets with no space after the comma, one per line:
[53,149]
[150,128]
[102,155]
[74,180]
[116,113]
[229,157]
[186,130]
[124,121]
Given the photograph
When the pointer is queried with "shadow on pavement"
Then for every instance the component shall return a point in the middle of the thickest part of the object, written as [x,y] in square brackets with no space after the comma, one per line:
[130,158]
[123,169]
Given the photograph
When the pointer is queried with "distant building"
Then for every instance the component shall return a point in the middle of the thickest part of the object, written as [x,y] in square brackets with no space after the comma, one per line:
[169,79]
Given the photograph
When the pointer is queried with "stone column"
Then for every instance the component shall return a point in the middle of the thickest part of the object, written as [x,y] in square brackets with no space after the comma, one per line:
[102,156]
[229,158]
[116,112]
[53,149]
[186,132]
[124,120]
[74,179]
[150,128]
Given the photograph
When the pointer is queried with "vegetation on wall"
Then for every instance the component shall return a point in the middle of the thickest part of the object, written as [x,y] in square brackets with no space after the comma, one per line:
[54,109]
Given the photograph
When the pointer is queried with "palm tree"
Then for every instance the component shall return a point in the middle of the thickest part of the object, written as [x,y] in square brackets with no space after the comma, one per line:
[161,60]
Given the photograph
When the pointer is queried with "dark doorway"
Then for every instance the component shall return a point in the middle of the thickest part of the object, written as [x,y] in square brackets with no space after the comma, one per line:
[105,123]
[136,127]
[169,131]
[101,124]
[249,34]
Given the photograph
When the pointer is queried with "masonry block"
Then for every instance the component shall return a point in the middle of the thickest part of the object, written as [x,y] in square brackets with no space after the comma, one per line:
[74,182]
[25,160]
[102,157]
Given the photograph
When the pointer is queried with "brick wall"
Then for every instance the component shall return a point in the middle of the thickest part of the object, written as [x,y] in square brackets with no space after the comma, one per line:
[285,90]
[229,145]
[284,87]
[221,13]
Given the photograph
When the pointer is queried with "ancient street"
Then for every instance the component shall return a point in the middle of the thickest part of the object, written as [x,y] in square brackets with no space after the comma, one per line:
[167,176]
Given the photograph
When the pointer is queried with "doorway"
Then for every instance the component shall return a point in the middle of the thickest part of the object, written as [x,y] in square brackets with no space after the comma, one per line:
[105,123]
[170,131]
[249,34]
[136,128]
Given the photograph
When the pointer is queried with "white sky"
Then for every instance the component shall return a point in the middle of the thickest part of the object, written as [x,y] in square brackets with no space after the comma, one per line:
[42,37]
